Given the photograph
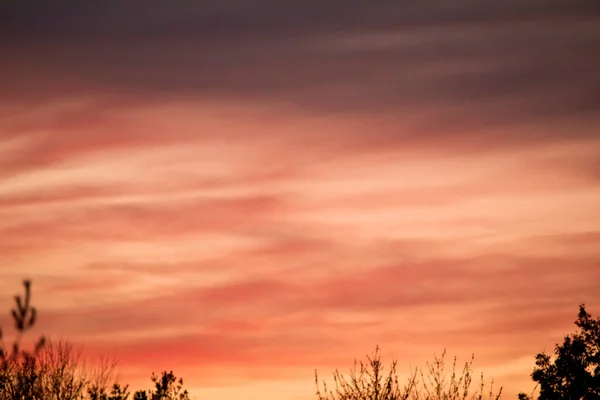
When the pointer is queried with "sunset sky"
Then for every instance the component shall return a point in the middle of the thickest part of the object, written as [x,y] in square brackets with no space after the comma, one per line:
[246,191]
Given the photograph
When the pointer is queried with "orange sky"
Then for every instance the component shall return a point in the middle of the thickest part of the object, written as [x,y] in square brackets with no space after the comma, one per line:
[246,229]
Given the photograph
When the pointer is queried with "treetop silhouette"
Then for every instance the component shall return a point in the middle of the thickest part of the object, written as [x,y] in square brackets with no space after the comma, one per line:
[574,371]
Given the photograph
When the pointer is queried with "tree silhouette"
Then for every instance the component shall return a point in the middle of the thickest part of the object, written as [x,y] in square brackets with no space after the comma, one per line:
[367,381]
[574,373]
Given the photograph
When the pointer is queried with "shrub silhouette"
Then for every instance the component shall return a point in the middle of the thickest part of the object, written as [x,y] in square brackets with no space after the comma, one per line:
[367,381]
[574,372]
[56,372]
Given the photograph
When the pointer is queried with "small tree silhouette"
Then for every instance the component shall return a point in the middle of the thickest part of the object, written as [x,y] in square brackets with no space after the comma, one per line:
[168,387]
[19,376]
[574,373]
[24,316]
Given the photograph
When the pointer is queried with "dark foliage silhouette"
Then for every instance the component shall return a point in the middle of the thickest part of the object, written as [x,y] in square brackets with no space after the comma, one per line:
[574,371]
[367,381]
